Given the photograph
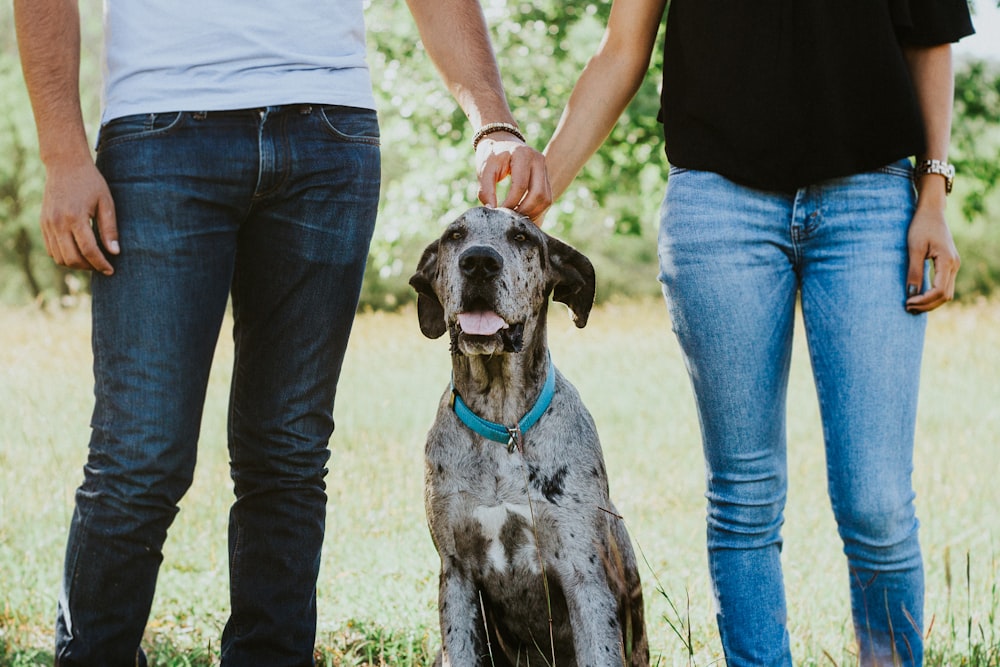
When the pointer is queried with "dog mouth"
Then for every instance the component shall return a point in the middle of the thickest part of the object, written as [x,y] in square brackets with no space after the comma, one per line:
[481,327]
[481,323]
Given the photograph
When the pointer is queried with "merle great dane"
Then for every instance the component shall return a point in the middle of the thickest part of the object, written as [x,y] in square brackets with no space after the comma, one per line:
[536,565]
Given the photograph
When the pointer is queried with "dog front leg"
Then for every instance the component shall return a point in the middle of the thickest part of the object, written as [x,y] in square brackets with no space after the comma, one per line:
[463,630]
[593,612]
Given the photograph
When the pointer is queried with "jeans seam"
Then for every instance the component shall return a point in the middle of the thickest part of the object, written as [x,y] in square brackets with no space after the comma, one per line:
[331,128]
[148,131]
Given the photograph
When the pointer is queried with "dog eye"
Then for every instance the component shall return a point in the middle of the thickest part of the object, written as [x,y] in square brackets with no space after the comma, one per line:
[457,235]
[520,237]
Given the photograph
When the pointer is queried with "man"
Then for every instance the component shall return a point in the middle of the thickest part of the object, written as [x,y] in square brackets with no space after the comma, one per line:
[238,155]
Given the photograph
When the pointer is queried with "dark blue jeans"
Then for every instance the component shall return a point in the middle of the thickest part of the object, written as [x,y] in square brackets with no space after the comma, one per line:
[277,207]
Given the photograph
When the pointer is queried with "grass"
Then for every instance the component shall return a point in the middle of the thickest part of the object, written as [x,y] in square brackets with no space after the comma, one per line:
[377,592]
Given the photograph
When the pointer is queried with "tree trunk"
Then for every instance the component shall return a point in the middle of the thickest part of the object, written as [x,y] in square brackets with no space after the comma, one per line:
[23,248]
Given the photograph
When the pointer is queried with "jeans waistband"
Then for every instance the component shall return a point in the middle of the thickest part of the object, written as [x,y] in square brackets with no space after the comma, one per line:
[303,109]
[901,167]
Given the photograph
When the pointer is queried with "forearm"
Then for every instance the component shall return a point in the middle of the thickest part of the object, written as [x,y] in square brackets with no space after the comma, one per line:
[606,86]
[76,197]
[600,96]
[933,79]
[929,237]
[455,35]
[456,38]
[48,36]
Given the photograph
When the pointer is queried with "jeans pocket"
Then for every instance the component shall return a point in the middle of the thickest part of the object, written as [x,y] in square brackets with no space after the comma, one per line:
[138,126]
[351,124]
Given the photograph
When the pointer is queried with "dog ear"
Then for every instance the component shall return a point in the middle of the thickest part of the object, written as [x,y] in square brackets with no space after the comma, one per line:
[430,312]
[574,282]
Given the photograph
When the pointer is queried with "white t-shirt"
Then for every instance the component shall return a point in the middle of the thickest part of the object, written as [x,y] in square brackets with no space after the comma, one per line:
[213,55]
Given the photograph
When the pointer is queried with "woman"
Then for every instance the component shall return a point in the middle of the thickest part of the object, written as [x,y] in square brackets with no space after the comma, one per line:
[788,129]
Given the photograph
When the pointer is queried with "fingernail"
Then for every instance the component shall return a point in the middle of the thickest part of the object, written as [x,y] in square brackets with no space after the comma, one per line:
[912,290]
[113,247]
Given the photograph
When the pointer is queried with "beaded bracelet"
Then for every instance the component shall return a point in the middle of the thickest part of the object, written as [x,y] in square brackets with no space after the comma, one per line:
[490,128]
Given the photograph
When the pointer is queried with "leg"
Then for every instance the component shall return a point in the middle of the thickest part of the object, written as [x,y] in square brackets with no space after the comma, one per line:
[155,325]
[300,260]
[730,288]
[865,351]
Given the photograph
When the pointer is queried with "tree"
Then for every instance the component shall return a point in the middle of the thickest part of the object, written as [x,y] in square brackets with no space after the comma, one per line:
[20,184]
[976,137]
[975,151]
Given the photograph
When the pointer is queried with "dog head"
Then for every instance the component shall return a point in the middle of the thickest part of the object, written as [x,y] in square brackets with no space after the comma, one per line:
[488,280]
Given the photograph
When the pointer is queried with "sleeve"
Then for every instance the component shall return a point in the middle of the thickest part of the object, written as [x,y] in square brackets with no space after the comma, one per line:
[930,22]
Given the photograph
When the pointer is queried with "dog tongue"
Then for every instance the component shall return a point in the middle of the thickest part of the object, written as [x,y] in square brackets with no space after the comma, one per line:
[481,323]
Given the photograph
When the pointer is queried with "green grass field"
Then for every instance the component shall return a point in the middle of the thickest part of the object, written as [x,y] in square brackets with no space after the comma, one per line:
[379,578]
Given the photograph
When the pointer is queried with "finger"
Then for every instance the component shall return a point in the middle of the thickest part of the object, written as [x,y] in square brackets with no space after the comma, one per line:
[492,168]
[488,186]
[60,249]
[941,292]
[915,272]
[942,288]
[519,171]
[487,196]
[50,243]
[90,251]
[516,193]
[68,253]
[107,225]
[946,271]
[538,198]
[926,302]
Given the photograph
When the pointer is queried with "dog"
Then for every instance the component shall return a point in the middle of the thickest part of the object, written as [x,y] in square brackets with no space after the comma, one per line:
[536,564]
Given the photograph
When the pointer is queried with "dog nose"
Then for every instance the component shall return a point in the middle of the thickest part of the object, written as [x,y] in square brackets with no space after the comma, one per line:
[480,263]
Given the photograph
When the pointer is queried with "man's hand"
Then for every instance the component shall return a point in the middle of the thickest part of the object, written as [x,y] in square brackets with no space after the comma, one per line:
[76,200]
[456,37]
[76,196]
[501,155]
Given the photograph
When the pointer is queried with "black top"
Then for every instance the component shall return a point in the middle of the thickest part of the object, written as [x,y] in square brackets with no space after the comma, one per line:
[778,94]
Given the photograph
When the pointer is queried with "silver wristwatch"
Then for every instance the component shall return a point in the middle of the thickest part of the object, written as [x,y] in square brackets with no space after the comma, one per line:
[938,167]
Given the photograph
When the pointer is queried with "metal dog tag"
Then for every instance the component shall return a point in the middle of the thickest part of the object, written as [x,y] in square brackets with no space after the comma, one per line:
[516,439]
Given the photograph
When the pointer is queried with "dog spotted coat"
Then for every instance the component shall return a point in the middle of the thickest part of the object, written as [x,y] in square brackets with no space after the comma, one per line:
[525,534]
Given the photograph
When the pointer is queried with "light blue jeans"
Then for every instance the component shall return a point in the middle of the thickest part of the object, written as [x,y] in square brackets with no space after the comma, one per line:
[733,262]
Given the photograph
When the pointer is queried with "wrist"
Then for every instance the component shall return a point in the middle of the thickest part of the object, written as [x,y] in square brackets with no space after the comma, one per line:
[495,128]
[70,154]
[931,201]
[931,195]
[927,172]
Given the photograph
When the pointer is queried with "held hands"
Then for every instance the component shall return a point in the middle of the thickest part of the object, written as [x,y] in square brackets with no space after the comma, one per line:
[501,154]
[76,197]
[930,239]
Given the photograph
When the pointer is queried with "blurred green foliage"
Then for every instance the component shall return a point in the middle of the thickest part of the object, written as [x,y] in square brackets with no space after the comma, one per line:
[428,168]
[542,46]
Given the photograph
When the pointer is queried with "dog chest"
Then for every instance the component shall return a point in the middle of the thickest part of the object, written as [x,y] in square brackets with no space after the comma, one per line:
[479,506]
[505,533]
